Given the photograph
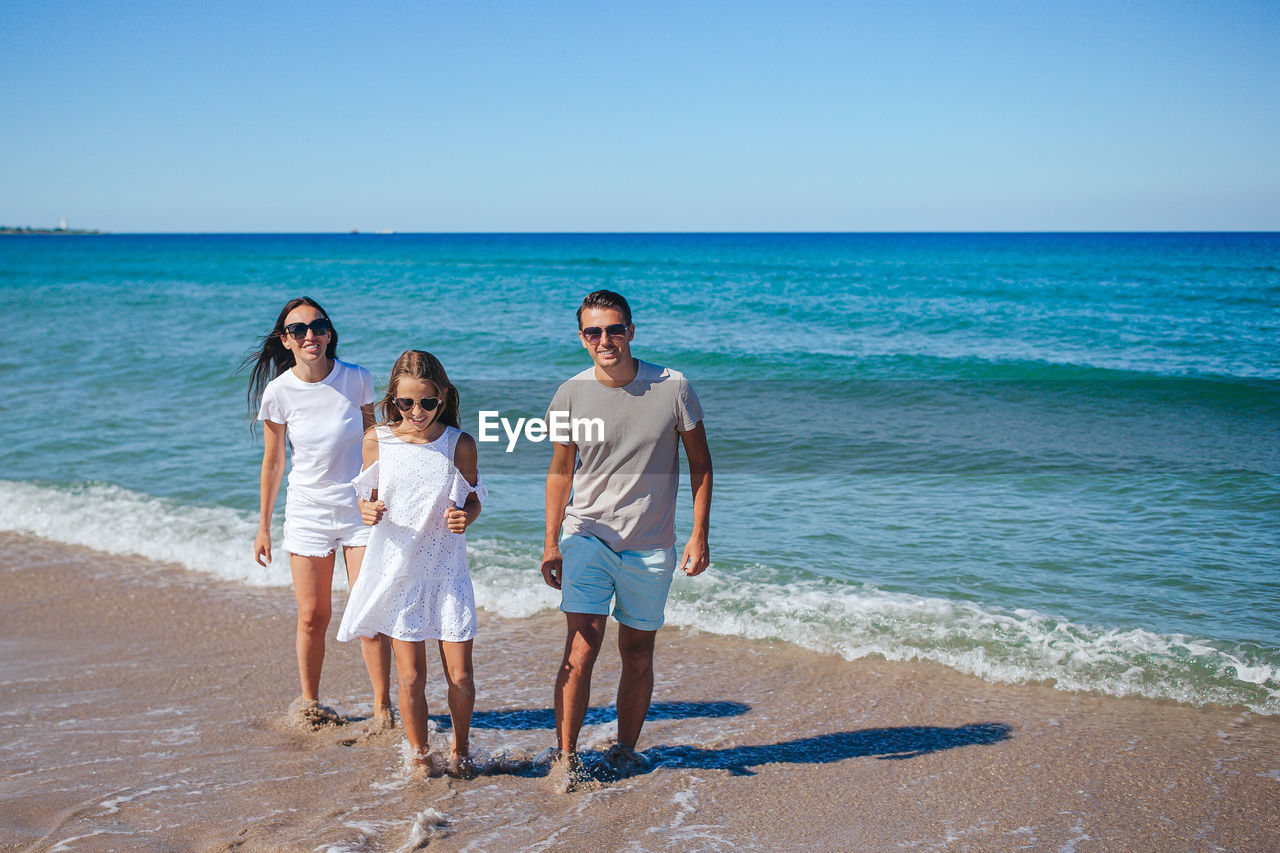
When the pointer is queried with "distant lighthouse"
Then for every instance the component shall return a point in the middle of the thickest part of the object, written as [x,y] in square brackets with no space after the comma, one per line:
[62,224]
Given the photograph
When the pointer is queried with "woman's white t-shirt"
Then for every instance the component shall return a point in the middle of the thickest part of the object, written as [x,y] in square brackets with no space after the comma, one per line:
[325,429]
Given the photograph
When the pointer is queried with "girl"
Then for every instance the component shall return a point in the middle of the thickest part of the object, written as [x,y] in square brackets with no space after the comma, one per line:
[302,393]
[421,489]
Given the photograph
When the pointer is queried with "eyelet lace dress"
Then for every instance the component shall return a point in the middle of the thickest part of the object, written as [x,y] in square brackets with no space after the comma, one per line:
[414,583]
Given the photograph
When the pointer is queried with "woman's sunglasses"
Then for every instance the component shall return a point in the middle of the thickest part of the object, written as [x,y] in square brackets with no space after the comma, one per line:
[319,326]
[593,333]
[428,404]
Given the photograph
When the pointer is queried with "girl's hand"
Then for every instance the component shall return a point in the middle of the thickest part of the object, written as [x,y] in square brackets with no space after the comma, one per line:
[371,512]
[262,548]
[456,520]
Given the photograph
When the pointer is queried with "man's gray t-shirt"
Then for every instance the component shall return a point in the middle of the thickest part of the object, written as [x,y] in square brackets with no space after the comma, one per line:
[627,471]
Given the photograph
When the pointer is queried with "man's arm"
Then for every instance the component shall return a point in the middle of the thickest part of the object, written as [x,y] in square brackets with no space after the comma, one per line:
[559,485]
[697,553]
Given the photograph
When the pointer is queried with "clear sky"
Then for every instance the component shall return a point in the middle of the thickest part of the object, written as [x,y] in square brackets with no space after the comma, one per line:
[644,115]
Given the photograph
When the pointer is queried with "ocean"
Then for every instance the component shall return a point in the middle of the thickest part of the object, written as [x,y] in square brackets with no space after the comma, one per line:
[1029,457]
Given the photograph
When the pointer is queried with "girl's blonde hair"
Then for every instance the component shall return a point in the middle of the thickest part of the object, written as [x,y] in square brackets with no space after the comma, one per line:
[417,364]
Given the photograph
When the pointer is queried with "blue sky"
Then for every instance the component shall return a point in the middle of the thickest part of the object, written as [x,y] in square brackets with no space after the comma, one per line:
[656,116]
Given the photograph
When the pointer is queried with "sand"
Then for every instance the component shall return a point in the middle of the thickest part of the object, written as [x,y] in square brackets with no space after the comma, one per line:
[143,708]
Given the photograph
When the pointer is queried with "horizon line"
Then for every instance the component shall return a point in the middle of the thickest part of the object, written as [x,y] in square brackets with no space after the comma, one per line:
[15,231]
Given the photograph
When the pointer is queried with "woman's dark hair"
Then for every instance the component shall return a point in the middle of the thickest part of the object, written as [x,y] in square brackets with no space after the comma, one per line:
[424,366]
[272,358]
[605,299]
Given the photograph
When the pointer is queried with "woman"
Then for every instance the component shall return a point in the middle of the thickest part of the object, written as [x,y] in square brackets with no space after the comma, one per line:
[303,394]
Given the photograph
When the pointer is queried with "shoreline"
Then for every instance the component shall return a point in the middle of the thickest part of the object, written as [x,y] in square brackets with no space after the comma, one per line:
[145,707]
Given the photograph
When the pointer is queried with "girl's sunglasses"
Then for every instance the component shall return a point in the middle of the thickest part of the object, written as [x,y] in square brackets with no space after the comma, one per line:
[593,333]
[428,404]
[319,326]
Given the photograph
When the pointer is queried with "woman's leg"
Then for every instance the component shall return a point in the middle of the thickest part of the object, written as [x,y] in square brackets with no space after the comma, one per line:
[456,660]
[411,677]
[312,586]
[376,651]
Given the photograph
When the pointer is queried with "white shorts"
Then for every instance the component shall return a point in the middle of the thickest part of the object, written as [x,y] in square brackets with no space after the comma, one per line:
[318,529]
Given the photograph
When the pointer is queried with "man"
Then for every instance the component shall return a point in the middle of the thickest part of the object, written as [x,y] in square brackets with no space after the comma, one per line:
[619,530]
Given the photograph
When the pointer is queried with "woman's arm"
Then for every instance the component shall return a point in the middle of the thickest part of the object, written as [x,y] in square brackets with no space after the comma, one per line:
[273,435]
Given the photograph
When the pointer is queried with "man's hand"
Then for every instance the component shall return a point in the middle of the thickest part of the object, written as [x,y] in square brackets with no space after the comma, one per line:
[696,557]
[552,566]
[371,512]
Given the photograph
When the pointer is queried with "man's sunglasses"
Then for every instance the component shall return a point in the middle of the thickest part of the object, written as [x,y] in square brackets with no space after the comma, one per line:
[594,333]
[319,326]
[428,404]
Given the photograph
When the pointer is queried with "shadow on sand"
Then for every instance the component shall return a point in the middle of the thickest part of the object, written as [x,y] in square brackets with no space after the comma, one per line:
[891,743]
[545,718]
[883,744]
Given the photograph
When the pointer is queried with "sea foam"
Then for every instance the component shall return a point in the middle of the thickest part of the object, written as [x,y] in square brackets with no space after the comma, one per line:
[999,645]
[854,621]
[210,539]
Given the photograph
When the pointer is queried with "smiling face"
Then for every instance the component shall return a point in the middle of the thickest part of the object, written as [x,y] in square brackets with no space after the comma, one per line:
[609,351]
[418,421]
[310,350]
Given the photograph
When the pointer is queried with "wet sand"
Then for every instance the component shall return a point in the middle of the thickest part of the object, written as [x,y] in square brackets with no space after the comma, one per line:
[143,707]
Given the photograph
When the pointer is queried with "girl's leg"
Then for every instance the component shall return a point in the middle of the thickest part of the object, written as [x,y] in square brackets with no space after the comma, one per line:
[375,650]
[312,586]
[411,677]
[456,660]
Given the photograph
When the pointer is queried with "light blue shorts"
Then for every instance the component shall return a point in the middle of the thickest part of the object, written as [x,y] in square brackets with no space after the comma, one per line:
[637,581]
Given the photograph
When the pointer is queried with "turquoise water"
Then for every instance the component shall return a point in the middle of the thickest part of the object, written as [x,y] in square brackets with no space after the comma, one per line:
[1030,457]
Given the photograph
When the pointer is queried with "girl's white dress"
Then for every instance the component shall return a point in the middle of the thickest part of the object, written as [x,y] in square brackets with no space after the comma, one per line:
[414,583]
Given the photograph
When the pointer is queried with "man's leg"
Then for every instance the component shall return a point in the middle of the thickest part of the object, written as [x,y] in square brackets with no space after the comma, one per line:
[573,683]
[635,688]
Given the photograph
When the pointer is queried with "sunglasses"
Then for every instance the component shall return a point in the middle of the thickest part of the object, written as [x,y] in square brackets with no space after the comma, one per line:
[594,333]
[319,327]
[428,404]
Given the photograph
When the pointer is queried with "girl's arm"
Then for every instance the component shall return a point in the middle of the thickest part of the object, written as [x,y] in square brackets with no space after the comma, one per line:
[370,510]
[268,487]
[465,460]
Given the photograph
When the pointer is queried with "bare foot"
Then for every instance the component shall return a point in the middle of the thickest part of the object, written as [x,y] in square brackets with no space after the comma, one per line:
[382,720]
[626,760]
[424,764]
[461,767]
[312,714]
[568,773]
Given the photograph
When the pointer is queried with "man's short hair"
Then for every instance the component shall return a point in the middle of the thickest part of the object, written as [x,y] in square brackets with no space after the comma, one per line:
[605,299]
